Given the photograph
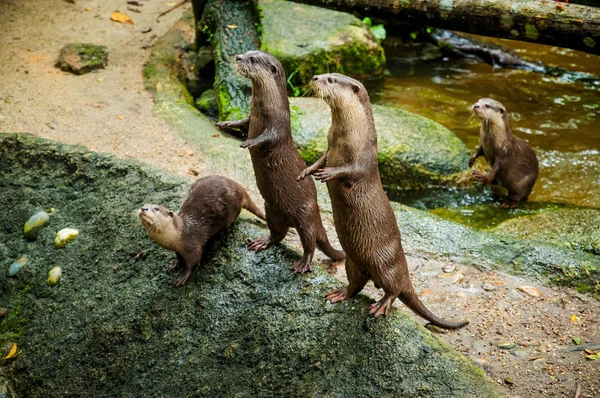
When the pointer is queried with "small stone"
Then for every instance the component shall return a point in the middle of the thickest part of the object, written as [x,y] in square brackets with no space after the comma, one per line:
[435,329]
[449,268]
[16,266]
[509,380]
[530,290]
[54,276]
[506,345]
[479,346]
[520,353]
[539,364]
[64,235]
[81,58]
[452,277]
[488,287]
[35,224]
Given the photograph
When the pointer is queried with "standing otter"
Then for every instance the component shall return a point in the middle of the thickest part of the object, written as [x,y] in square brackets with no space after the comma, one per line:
[277,162]
[364,219]
[514,164]
[212,204]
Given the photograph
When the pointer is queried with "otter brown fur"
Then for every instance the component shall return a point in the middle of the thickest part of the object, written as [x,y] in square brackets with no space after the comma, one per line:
[514,164]
[364,219]
[212,204]
[276,161]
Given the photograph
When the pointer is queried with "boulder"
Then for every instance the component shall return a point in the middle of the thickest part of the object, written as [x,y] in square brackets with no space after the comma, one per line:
[310,40]
[243,326]
[414,152]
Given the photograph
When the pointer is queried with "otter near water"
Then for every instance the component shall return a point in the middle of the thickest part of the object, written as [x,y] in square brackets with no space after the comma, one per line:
[212,204]
[514,164]
[364,219]
[276,161]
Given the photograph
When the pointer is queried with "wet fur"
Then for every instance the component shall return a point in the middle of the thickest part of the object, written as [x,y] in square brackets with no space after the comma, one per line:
[514,164]
[212,204]
[364,219]
[277,163]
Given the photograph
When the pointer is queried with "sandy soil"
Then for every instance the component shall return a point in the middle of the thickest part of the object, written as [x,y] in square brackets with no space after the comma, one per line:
[110,111]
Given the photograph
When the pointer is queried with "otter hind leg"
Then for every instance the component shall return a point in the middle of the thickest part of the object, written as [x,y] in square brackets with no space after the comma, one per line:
[278,229]
[175,263]
[309,243]
[357,281]
[383,306]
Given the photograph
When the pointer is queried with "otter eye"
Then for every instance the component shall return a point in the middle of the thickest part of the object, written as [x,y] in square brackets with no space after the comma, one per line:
[253,60]
[156,209]
[487,106]
[329,80]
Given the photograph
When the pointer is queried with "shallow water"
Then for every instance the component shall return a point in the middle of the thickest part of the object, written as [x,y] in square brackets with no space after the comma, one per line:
[557,117]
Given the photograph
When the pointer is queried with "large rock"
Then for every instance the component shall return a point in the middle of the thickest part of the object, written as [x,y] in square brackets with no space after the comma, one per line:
[413,151]
[81,58]
[243,326]
[310,40]
[575,228]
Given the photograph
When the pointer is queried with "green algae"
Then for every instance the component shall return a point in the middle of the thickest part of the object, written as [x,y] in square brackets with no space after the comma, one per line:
[243,326]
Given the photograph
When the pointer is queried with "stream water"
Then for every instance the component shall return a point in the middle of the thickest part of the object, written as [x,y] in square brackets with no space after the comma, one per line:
[557,117]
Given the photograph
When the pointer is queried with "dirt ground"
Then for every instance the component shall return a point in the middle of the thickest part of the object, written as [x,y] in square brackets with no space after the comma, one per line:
[110,111]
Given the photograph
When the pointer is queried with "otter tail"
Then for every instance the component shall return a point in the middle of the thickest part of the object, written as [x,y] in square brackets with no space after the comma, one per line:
[324,245]
[249,205]
[411,300]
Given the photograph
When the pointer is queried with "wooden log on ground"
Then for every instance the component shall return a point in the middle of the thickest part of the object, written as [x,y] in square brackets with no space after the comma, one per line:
[230,26]
[544,22]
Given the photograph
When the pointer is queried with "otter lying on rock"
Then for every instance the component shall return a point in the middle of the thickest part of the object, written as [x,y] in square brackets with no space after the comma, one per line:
[364,219]
[212,204]
[514,164]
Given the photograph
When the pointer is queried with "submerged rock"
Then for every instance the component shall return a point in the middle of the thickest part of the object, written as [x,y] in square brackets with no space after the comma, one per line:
[413,151]
[16,266]
[54,276]
[81,58]
[35,224]
[243,326]
[64,236]
[311,40]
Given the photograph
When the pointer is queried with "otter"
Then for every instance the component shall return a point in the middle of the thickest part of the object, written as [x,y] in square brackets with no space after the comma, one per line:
[276,161]
[212,204]
[514,163]
[364,219]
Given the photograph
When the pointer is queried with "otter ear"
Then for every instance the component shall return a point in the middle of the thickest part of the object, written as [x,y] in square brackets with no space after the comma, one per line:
[273,69]
[171,214]
[502,111]
[355,88]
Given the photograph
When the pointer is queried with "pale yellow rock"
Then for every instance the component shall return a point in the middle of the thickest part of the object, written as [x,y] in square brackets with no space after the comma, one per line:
[530,290]
[64,235]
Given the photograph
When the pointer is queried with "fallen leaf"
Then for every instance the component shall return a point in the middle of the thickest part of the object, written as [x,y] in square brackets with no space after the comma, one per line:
[120,117]
[593,357]
[133,9]
[591,352]
[171,4]
[576,339]
[88,8]
[187,152]
[232,26]
[530,290]
[12,352]
[135,3]
[573,318]
[120,17]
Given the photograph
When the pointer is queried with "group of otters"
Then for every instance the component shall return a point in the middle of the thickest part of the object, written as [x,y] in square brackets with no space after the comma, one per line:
[363,217]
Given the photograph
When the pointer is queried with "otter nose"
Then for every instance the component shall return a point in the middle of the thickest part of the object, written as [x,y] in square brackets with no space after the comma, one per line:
[238,57]
[475,106]
[144,209]
[315,78]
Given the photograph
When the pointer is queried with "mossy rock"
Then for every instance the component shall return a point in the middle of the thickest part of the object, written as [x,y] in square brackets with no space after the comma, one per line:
[575,228]
[243,326]
[414,152]
[81,58]
[207,103]
[310,40]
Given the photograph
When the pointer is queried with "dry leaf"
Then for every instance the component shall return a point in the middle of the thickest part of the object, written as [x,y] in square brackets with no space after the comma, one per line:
[573,318]
[120,17]
[12,352]
[187,152]
[593,357]
[530,290]
[232,26]
[591,352]
[171,4]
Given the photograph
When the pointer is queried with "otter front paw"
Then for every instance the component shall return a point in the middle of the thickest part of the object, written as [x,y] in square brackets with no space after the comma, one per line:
[324,175]
[247,144]
[225,125]
[472,160]
[305,173]
[479,176]
[173,265]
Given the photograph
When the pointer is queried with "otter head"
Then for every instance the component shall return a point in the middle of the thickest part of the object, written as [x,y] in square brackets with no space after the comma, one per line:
[490,110]
[339,91]
[161,225]
[260,67]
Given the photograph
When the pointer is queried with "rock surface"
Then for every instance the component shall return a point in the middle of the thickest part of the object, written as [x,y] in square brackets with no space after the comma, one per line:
[310,40]
[82,58]
[414,151]
[115,326]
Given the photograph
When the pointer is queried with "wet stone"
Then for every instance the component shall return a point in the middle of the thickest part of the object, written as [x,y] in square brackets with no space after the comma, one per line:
[539,364]
[452,277]
[449,268]
[82,58]
[488,287]
[35,224]
[480,346]
[520,352]
[506,345]
[530,290]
